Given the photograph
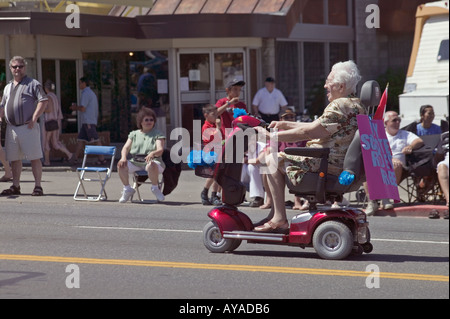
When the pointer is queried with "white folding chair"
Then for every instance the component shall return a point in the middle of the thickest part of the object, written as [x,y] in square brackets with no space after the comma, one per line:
[102,174]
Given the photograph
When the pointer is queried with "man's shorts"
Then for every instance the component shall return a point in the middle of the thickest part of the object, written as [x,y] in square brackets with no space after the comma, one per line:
[88,133]
[22,142]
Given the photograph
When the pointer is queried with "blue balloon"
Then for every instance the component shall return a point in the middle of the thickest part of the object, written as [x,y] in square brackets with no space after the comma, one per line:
[239,112]
[200,158]
[346,178]
[194,159]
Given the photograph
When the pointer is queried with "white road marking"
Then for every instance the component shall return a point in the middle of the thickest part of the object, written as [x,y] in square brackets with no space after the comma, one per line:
[412,241]
[199,231]
[141,229]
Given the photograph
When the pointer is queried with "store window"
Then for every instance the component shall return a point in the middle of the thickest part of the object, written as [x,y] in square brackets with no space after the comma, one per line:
[64,75]
[314,75]
[338,53]
[68,91]
[125,82]
[227,66]
[194,72]
[288,70]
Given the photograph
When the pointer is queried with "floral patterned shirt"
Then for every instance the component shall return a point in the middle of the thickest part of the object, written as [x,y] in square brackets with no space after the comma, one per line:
[339,119]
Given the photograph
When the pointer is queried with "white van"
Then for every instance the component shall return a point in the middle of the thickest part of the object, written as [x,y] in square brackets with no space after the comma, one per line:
[428,73]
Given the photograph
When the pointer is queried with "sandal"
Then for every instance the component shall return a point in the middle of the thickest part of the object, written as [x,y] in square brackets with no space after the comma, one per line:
[13,190]
[5,179]
[271,227]
[37,191]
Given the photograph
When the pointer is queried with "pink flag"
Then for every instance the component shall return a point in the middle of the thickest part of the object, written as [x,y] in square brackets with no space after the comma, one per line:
[379,114]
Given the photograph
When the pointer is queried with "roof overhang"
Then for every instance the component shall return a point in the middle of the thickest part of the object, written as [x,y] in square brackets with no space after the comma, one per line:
[155,26]
[13,23]
[214,25]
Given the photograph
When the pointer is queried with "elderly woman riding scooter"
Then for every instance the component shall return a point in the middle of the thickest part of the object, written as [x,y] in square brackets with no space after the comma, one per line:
[335,129]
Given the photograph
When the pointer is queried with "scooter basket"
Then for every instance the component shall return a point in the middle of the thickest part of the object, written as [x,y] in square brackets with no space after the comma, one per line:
[204,171]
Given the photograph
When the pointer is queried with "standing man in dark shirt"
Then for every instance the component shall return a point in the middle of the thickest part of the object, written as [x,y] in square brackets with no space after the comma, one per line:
[23,102]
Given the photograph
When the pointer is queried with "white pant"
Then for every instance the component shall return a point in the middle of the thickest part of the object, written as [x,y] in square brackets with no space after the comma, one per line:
[251,176]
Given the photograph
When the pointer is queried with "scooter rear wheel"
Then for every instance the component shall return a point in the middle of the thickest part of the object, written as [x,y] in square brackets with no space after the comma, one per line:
[214,242]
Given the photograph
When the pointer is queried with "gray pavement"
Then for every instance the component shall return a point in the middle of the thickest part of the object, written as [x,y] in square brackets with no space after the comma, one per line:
[59,182]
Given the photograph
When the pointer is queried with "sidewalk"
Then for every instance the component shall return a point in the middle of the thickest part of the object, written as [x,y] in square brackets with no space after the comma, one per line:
[59,182]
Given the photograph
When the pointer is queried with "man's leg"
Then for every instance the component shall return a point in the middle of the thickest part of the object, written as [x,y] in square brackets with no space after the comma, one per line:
[16,167]
[36,168]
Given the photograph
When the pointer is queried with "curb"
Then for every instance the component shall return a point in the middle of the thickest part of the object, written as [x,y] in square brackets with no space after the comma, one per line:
[412,211]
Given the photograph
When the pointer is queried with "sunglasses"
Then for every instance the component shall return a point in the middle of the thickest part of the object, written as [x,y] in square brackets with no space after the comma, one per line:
[17,66]
[396,120]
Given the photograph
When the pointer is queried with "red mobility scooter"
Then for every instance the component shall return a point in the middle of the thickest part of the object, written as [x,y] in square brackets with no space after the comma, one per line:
[334,233]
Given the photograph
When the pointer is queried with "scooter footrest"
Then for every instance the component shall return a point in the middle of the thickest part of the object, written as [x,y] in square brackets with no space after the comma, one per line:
[248,235]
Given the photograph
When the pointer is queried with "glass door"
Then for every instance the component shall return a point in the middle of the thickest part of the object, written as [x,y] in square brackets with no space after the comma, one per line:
[194,86]
[227,66]
[203,76]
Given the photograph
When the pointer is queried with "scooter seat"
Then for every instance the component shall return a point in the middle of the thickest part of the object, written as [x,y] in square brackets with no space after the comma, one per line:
[308,186]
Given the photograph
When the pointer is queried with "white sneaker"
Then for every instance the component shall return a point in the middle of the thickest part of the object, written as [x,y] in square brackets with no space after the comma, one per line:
[159,196]
[387,204]
[126,195]
[372,207]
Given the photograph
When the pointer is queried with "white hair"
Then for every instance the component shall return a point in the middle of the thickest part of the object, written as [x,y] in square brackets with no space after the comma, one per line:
[346,73]
[388,115]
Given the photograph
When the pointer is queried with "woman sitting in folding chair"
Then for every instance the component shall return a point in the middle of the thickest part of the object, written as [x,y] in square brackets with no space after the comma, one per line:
[146,146]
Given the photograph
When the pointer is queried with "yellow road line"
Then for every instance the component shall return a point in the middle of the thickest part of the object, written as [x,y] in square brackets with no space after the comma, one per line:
[249,268]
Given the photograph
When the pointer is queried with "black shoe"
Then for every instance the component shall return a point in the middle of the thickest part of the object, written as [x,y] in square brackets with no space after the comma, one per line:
[205,199]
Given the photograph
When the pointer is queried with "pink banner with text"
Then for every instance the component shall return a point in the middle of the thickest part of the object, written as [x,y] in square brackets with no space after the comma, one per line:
[377,156]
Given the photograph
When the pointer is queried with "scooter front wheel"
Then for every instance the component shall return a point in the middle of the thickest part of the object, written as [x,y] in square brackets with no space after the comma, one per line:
[333,240]
[214,242]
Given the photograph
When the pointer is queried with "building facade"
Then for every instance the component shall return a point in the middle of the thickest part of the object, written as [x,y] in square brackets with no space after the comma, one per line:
[176,56]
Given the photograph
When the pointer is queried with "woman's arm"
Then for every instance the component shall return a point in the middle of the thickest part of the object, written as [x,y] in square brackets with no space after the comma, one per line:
[301,132]
[125,150]
[158,152]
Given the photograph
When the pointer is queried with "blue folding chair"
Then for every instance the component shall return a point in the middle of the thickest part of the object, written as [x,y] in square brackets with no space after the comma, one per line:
[102,173]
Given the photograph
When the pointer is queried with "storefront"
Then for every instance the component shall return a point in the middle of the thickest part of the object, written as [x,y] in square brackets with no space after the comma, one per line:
[131,63]
[177,55]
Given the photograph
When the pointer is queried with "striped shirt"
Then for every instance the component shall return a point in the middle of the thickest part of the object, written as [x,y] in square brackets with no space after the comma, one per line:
[20,101]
